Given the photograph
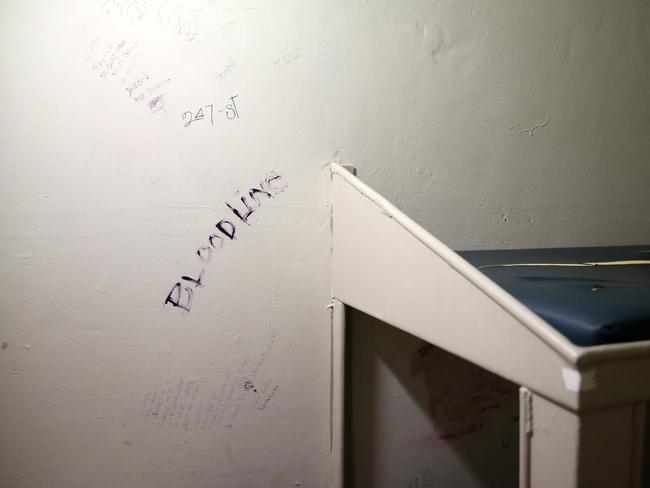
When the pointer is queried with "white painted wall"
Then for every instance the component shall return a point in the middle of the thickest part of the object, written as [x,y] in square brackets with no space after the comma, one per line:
[508,124]
[499,123]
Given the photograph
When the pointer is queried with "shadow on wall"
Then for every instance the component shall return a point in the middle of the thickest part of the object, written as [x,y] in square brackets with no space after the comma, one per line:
[420,417]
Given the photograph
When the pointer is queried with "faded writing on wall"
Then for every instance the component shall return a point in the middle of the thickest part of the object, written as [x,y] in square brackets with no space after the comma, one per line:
[462,396]
[119,62]
[201,404]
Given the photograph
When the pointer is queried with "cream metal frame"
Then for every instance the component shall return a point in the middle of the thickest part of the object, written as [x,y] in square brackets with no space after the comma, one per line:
[582,408]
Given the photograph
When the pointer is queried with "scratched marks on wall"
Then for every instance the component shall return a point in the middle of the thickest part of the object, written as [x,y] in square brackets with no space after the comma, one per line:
[288,58]
[189,20]
[227,70]
[192,19]
[197,404]
[424,480]
[130,10]
[172,405]
[462,396]
[118,62]
[182,293]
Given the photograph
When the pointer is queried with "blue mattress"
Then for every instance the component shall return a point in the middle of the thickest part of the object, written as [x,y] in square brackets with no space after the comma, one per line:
[596,295]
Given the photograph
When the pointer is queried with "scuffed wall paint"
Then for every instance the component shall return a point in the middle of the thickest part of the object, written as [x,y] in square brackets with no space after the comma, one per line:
[495,123]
